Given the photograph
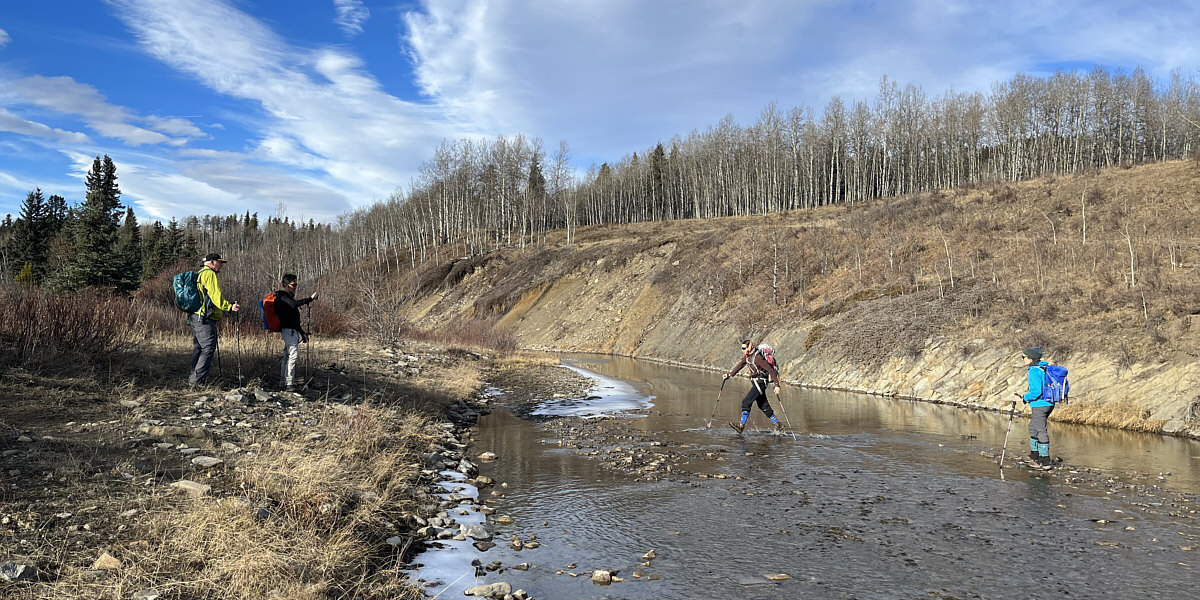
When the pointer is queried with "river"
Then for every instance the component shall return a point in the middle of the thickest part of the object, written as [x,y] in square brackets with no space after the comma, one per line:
[872,498]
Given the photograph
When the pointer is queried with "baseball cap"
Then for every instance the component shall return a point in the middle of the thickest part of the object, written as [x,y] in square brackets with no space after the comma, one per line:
[214,256]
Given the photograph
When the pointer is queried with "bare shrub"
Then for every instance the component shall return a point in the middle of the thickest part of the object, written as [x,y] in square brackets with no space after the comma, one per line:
[39,326]
[477,333]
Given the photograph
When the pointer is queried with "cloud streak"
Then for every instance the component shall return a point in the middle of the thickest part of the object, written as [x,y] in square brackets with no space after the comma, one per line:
[351,15]
[322,112]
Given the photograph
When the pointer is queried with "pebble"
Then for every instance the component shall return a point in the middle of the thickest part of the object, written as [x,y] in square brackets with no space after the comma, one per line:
[495,590]
[193,489]
[11,571]
[106,562]
[207,462]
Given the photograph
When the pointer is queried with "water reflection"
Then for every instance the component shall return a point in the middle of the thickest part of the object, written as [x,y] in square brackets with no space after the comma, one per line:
[686,397]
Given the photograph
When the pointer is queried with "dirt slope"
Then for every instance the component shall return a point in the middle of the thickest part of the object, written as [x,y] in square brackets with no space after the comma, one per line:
[929,297]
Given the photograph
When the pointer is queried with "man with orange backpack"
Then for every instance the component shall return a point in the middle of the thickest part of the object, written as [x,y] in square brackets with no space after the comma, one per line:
[287,309]
[761,361]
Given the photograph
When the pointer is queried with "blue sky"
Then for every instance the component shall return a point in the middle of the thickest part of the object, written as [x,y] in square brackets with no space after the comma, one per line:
[323,106]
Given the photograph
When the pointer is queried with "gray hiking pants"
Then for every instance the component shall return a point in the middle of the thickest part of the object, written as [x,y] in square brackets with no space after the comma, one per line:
[1038,428]
[204,344]
[291,356]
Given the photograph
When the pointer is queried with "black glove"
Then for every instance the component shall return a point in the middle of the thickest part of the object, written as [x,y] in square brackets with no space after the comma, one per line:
[303,338]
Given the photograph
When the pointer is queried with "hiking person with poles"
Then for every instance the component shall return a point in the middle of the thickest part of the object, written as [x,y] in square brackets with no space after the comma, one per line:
[204,321]
[1039,409]
[761,370]
[287,308]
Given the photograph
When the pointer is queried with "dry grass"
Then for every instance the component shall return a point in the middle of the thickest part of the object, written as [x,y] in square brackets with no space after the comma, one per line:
[1010,258]
[1121,414]
[310,521]
[291,516]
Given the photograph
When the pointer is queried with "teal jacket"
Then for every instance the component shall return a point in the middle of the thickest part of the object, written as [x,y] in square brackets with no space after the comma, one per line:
[1037,380]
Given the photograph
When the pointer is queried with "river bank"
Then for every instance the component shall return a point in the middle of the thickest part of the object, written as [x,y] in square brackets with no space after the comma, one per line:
[145,489]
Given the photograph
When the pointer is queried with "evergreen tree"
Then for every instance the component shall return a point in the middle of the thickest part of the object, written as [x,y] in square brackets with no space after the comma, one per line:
[129,253]
[153,259]
[56,213]
[191,248]
[30,242]
[173,242]
[95,232]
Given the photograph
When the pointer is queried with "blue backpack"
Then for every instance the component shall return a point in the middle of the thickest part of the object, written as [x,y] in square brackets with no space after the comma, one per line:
[187,291]
[1056,389]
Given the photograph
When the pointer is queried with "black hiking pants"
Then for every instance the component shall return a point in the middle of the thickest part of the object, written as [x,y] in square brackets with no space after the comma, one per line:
[758,394]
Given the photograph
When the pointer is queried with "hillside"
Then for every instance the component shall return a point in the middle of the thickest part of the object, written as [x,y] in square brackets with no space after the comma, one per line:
[926,296]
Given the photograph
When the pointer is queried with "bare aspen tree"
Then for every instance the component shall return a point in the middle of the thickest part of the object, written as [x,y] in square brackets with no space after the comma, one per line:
[1083,213]
[775,272]
[949,259]
[1132,257]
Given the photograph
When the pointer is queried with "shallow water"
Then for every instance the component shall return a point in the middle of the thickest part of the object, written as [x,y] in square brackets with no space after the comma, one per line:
[874,498]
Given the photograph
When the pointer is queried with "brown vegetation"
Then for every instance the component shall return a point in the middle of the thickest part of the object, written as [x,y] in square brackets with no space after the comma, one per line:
[1103,263]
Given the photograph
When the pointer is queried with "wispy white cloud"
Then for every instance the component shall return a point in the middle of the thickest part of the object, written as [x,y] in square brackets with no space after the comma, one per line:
[4,38]
[15,124]
[321,110]
[612,76]
[351,15]
[66,96]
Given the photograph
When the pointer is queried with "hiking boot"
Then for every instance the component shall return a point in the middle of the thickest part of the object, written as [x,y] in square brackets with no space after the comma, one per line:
[1044,463]
[779,428]
[736,427]
[292,388]
[1033,460]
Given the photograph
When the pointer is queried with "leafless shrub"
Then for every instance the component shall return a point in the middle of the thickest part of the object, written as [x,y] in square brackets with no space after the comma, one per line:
[38,326]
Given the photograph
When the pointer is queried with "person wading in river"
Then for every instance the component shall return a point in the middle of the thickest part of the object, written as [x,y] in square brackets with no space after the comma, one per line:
[761,370]
[1039,409]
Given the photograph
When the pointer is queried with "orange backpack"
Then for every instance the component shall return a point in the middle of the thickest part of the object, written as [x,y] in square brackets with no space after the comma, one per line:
[270,319]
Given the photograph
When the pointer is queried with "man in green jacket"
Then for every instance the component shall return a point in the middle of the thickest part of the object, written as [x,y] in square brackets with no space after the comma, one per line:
[204,321]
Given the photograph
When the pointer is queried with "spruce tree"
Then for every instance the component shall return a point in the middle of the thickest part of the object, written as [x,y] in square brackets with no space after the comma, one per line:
[153,260]
[173,242]
[56,213]
[30,242]
[94,237]
[129,253]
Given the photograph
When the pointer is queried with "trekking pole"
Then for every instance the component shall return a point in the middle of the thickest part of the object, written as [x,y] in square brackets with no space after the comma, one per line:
[308,350]
[237,324]
[714,412]
[1004,450]
[785,417]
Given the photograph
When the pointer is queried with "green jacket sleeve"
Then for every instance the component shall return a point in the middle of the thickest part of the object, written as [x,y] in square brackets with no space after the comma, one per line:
[211,289]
